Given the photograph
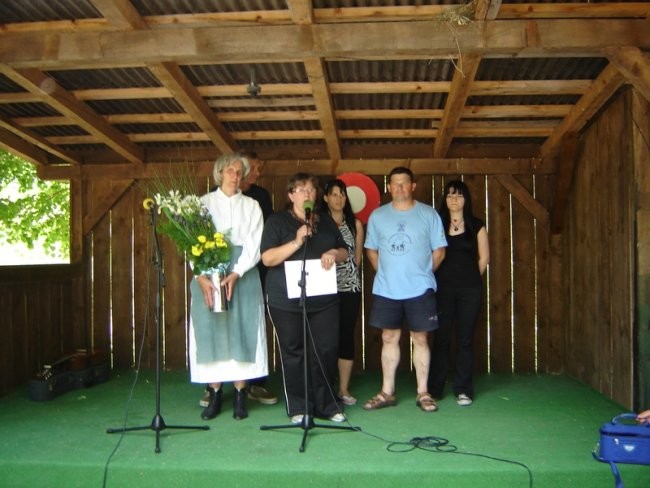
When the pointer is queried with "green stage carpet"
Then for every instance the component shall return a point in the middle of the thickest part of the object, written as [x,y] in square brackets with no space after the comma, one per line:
[547,423]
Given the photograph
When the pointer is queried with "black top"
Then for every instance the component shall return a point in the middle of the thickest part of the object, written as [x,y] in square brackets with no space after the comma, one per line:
[281,228]
[263,197]
[459,269]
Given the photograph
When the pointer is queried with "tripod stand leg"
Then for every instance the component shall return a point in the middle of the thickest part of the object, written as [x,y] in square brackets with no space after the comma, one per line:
[158,425]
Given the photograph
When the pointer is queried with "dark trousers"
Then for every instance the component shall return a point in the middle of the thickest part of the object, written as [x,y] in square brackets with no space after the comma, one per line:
[458,311]
[349,303]
[322,357]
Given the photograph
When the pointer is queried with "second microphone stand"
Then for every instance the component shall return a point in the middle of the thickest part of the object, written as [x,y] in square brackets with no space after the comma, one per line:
[307,420]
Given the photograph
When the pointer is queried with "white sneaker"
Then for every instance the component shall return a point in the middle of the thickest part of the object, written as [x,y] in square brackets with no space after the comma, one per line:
[338,417]
[463,400]
[297,419]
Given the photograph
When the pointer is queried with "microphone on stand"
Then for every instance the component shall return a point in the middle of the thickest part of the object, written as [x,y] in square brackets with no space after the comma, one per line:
[308,206]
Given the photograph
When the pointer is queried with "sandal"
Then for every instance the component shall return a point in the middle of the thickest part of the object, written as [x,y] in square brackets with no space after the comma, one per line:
[380,400]
[426,402]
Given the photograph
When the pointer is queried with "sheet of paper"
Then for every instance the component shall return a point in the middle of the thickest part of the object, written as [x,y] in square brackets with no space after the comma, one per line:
[319,281]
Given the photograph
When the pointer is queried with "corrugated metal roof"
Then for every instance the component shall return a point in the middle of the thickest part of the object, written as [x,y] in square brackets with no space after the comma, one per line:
[320,93]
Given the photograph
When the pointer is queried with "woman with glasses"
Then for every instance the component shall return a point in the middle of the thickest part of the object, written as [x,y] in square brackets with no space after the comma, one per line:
[230,346]
[290,235]
[460,292]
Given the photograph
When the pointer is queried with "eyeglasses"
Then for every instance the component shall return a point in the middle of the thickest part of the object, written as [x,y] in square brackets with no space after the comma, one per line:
[304,190]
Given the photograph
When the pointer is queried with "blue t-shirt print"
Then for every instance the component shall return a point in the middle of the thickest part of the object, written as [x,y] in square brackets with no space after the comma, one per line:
[400,242]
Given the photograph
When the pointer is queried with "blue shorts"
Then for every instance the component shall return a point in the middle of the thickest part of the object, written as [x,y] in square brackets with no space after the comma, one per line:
[421,313]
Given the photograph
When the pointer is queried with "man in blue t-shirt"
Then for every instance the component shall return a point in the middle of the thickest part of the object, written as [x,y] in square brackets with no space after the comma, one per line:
[405,244]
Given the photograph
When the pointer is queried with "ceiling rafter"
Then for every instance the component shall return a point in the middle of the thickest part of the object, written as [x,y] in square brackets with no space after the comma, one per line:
[601,90]
[123,14]
[634,64]
[506,87]
[461,85]
[301,11]
[380,80]
[22,148]
[52,93]
[37,141]
[333,15]
[322,98]
[120,14]
[282,43]
[172,77]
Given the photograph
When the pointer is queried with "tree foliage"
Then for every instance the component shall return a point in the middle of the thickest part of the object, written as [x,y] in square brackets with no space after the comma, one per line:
[33,211]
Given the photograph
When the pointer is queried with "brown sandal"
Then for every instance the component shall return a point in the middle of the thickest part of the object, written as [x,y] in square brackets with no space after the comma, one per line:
[426,402]
[380,400]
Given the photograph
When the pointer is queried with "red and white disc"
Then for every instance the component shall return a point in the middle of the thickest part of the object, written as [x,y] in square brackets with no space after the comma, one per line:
[362,193]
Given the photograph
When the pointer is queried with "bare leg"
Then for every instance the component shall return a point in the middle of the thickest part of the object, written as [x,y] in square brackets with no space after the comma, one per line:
[421,359]
[345,373]
[390,356]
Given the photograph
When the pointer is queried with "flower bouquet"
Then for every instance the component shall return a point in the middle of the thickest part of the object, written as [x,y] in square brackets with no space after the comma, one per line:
[187,222]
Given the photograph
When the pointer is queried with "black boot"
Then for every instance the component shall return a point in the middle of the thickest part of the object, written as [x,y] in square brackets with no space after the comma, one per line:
[239,404]
[214,405]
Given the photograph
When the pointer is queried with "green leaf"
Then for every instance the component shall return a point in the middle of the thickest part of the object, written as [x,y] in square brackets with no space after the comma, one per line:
[33,210]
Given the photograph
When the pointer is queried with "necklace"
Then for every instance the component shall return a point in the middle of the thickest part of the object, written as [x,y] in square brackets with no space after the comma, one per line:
[455,225]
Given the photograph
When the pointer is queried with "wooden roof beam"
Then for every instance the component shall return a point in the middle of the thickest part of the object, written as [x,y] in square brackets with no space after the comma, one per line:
[602,88]
[302,11]
[297,10]
[38,144]
[448,166]
[120,13]
[487,9]
[51,93]
[276,43]
[172,77]
[501,87]
[324,106]
[523,196]
[635,66]
[469,112]
[21,148]
[461,85]
[101,207]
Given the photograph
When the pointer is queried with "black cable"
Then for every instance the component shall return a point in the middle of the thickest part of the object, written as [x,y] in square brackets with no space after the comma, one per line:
[433,444]
[135,380]
[441,445]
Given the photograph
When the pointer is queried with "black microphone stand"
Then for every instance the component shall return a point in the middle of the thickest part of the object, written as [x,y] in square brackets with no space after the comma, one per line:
[307,420]
[158,423]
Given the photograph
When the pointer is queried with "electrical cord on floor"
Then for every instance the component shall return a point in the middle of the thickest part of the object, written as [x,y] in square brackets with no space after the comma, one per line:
[127,406]
[442,446]
[429,443]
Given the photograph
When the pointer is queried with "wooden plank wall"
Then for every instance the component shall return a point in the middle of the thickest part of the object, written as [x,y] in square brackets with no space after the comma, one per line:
[641,149]
[560,303]
[124,280]
[40,319]
[599,248]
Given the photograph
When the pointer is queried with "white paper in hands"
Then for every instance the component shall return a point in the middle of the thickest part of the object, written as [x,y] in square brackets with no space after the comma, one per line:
[319,281]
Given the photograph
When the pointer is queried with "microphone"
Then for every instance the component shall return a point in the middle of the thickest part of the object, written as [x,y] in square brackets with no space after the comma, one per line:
[308,206]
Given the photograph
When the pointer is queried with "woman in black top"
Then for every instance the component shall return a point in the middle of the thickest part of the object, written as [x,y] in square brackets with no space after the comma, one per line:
[460,292]
[286,234]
